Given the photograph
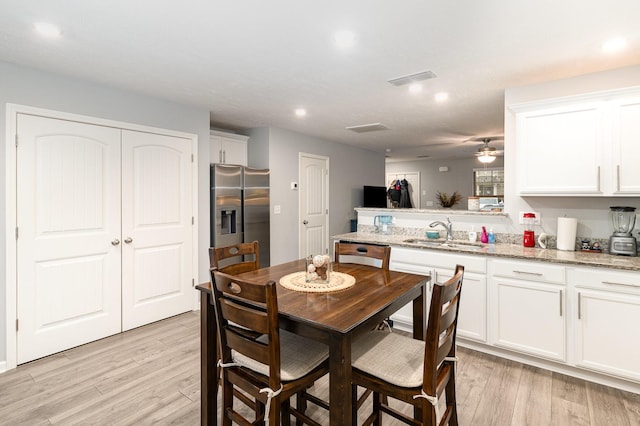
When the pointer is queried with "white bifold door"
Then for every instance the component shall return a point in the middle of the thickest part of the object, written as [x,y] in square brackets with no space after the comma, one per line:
[104,232]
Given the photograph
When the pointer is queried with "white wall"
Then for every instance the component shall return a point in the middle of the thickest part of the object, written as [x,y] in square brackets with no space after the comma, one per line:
[459,178]
[26,86]
[350,169]
[592,212]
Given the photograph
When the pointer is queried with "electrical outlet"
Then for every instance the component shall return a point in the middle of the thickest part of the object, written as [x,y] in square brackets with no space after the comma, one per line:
[521,217]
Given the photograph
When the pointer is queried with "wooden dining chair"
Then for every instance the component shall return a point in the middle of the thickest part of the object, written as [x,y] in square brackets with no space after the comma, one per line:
[232,259]
[269,369]
[410,370]
[362,250]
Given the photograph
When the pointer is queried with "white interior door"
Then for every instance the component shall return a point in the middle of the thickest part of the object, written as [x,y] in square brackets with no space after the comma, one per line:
[68,216]
[314,204]
[156,228]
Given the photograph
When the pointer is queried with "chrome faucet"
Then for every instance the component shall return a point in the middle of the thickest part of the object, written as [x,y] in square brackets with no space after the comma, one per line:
[448,226]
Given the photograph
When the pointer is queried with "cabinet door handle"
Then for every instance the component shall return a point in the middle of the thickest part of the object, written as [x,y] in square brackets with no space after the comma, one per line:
[618,178]
[537,274]
[598,177]
[579,305]
[224,156]
[560,302]
[615,283]
[220,156]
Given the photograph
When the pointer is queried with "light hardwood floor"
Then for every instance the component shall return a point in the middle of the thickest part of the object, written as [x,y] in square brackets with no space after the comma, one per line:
[151,376]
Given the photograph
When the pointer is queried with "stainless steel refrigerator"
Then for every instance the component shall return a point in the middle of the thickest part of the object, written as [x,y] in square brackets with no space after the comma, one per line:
[240,207]
[226,205]
[256,210]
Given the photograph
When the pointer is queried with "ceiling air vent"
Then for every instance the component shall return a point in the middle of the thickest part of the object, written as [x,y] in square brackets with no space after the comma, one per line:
[374,127]
[412,78]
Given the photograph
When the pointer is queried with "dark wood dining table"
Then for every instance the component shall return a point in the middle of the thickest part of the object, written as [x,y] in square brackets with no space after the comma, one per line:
[335,318]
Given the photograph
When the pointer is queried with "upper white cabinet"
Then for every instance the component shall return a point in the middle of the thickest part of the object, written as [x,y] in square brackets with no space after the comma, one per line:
[582,146]
[625,121]
[228,148]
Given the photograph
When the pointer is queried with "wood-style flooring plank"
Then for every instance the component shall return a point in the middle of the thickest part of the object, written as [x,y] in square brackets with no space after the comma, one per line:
[498,400]
[606,406]
[151,376]
[533,400]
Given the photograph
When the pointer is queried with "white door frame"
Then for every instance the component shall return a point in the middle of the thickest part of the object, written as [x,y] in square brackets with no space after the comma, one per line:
[327,162]
[11,290]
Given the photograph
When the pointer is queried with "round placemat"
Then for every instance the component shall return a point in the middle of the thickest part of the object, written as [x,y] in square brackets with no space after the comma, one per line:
[297,282]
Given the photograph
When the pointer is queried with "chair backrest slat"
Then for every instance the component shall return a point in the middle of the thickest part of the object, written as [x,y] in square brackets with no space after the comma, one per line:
[232,259]
[381,253]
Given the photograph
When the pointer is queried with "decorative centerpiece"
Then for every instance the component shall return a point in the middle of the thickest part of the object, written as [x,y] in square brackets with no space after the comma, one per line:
[318,269]
[447,201]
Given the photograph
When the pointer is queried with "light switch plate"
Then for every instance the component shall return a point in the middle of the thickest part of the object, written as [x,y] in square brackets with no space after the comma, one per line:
[276,209]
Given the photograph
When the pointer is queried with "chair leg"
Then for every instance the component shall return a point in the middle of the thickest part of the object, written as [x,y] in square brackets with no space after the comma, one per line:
[354,405]
[301,405]
[227,403]
[377,402]
[450,394]
[285,413]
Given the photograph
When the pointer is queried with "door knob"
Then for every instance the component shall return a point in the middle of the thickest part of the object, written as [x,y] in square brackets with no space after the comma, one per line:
[128,240]
[115,242]
[305,222]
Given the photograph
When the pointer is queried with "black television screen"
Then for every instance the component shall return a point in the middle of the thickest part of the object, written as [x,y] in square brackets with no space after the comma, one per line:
[375,196]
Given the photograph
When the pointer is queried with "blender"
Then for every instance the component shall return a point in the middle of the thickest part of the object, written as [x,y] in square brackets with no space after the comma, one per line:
[623,220]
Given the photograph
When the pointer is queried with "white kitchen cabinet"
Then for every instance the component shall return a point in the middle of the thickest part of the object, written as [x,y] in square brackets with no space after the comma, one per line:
[440,266]
[580,146]
[412,261]
[228,148]
[472,322]
[607,304]
[529,308]
[626,149]
[559,150]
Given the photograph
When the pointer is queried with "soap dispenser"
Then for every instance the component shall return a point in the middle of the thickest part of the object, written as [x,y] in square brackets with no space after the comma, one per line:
[492,236]
[484,237]
[473,235]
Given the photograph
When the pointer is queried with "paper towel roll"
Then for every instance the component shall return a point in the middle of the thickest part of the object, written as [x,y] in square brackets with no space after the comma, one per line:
[567,227]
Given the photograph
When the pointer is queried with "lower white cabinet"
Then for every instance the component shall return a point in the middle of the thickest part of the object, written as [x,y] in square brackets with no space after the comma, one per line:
[530,317]
[607,310]
[529,307]
[472,322]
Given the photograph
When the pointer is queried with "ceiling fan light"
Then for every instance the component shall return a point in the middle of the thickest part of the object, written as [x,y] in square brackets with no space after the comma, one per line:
[486,158]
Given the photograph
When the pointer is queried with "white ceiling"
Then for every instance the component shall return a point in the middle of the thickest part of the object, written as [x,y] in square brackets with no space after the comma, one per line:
[252,62]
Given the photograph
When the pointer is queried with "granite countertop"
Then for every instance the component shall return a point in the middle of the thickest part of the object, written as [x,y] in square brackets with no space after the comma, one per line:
[513,251]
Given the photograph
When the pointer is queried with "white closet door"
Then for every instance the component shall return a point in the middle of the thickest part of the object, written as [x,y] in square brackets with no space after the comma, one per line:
[68,215]
[156,228]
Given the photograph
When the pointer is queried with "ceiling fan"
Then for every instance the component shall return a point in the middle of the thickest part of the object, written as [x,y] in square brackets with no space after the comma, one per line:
[486,153]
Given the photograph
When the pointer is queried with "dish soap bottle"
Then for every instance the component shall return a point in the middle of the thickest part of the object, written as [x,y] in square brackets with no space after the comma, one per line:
[491,236]
[484,238]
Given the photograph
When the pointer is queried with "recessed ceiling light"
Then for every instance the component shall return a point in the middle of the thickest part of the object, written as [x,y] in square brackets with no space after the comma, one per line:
[441,96]
[47,30]
[300,112]
[344,38]
[415,88]
[614,45]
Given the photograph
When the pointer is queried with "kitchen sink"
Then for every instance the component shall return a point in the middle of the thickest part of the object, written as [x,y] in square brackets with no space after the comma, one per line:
[464,245]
